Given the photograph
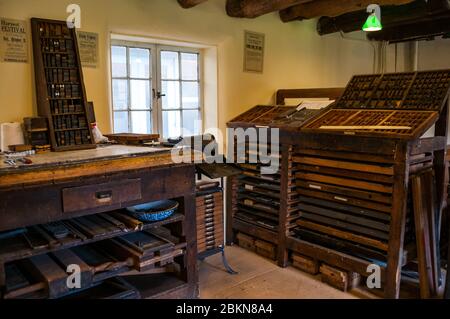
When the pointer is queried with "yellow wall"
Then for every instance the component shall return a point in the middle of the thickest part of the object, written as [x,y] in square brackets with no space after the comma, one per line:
[434,55]
[296,57]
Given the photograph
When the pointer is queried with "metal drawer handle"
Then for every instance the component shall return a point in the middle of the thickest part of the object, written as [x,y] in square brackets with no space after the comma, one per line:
[104,197]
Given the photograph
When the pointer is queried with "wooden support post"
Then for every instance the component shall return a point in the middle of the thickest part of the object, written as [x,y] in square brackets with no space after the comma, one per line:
[330,8]
[283,231]
[392,16]
[397,227]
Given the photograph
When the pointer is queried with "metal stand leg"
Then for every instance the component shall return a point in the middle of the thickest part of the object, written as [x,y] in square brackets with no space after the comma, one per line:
[226,264]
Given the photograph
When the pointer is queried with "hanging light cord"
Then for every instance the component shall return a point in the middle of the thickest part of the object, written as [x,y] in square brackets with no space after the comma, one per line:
[396,56]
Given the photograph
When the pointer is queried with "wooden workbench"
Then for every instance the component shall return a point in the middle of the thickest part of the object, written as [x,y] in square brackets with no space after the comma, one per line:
[63,186]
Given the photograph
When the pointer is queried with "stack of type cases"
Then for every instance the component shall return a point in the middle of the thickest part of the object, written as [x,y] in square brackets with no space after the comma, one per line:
[59,84]
[210,217]
[36,131]
[354,164]
[266,206]
[346,201]
[103,246]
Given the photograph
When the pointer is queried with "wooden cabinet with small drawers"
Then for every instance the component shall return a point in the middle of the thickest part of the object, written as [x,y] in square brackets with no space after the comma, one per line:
[210,222]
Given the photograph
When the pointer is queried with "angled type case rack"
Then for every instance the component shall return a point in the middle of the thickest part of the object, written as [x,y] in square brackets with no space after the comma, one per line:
[362,167]
[263,209]
[399,105]
[61,94]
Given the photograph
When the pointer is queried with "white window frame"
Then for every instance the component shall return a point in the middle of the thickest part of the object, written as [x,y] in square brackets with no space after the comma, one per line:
[156,83]
[200,108]
[128,78]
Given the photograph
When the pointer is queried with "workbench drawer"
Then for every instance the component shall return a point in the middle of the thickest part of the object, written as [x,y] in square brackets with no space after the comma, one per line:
[101,195]
[76,197]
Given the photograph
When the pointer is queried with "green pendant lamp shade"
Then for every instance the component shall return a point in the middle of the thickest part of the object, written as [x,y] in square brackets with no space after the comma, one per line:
[372,24]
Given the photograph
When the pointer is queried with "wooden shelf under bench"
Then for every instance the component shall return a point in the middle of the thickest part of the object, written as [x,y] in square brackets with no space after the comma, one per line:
[17,248]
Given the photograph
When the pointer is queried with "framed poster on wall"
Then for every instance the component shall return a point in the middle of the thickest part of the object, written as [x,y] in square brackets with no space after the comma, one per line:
[254,48]
[13,40]
[88,45]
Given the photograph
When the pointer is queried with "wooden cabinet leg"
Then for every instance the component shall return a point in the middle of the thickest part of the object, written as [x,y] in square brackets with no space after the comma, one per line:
[442,178]
[229,195]
[424,239]
[397,228]
[283,255]
[191,235]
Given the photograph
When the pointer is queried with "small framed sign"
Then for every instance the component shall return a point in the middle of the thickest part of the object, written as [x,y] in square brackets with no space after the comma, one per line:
[88,45]
[13,40]
[254,47]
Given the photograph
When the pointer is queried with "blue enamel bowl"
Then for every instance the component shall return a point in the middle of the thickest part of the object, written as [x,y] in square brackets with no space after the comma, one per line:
[155,211]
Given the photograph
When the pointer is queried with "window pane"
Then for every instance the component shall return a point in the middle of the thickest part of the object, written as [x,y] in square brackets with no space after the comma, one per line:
[171,124]
[119,61]
[169,65]
[141,122]
[190,95]
[120,94]
[140,94]
[120,122]
[189,66]
[191,123]
[139,63]
[172,91]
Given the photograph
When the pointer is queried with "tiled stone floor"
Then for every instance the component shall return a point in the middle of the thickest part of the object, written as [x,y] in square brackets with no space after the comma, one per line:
[260,278]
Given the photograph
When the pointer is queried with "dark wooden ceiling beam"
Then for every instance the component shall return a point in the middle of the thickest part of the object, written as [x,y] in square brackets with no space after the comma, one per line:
[414,31]
[330,8]
[256,8]
[391,16]
[190,3]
